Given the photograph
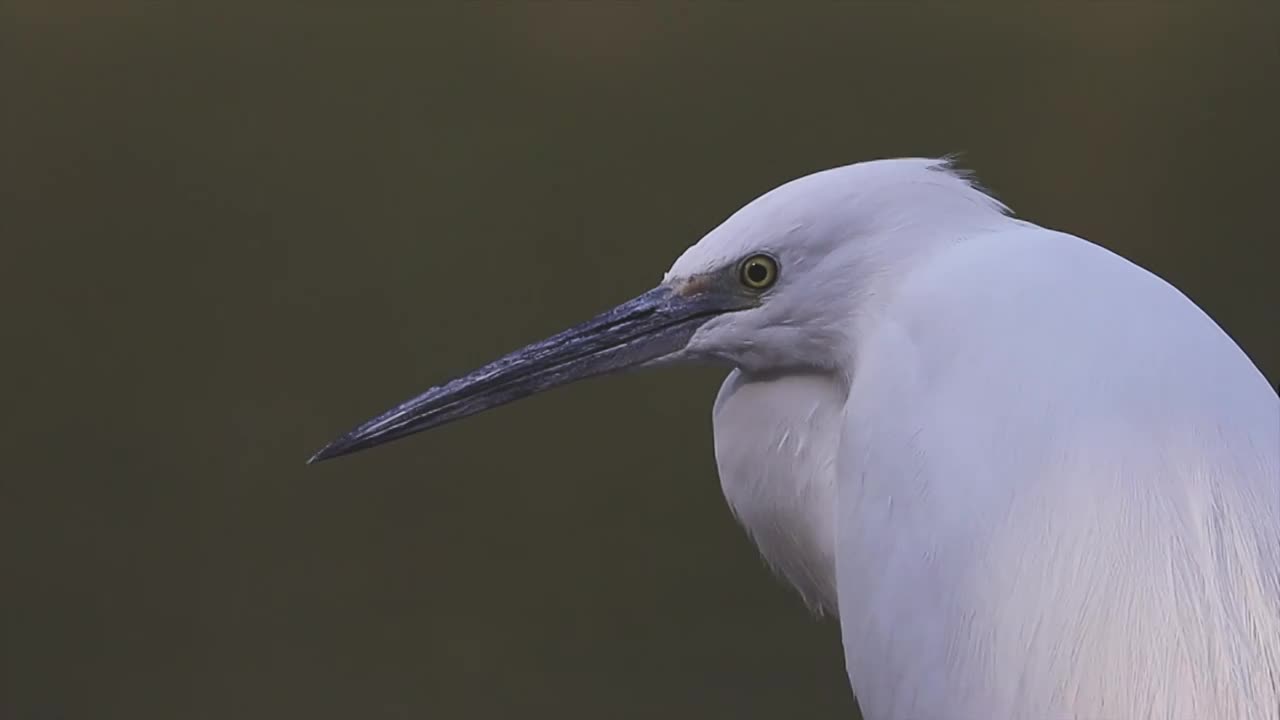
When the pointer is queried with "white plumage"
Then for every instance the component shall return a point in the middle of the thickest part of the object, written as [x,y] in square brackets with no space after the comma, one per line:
[1033,479]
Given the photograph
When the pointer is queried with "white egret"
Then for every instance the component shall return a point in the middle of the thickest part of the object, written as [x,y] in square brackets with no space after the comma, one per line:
[1031,479]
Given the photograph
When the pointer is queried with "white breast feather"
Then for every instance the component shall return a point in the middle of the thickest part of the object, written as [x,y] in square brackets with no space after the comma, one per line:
[775,441]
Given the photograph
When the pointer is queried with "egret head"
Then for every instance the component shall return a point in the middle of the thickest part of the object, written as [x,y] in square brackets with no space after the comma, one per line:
[776,286]
[835,237]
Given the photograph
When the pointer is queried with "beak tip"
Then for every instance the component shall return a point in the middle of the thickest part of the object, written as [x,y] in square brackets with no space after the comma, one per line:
[354,441]
[332,450]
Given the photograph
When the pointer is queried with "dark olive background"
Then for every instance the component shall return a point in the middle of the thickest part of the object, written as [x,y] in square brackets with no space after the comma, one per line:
[232,231]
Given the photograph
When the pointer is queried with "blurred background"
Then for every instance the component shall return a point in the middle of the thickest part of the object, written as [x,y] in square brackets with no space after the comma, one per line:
[231,232]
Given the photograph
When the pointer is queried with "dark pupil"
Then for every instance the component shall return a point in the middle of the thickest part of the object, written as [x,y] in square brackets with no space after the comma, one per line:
[757,272]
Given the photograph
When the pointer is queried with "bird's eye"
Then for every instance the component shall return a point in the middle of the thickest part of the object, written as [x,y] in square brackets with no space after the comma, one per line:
[759,272]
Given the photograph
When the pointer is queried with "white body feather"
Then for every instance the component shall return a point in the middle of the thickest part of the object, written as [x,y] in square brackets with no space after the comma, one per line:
[1032,479]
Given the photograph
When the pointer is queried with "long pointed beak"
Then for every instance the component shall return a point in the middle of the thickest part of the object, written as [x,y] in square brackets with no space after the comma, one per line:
[644,329]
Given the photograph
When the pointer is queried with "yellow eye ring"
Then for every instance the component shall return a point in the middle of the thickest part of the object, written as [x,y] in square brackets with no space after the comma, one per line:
[758,272]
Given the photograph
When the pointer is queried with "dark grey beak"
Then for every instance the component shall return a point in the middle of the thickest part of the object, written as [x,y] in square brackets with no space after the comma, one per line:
[649,327]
